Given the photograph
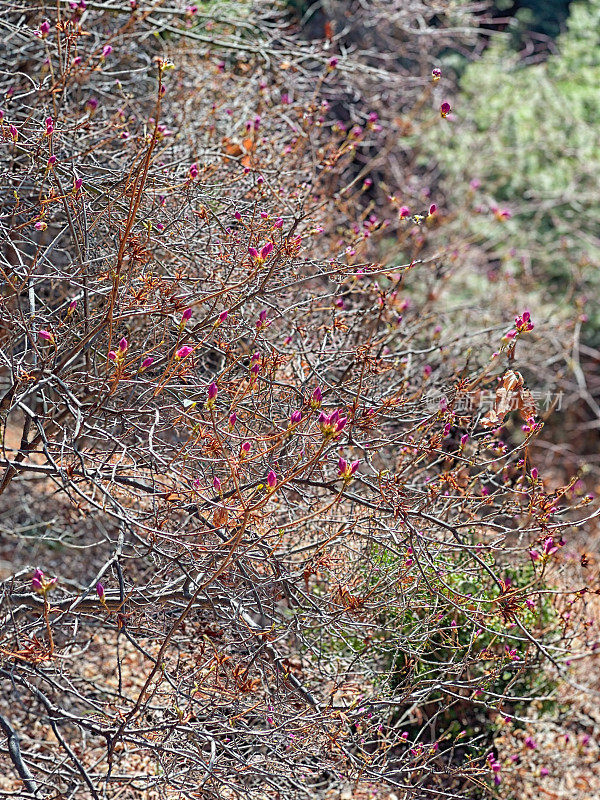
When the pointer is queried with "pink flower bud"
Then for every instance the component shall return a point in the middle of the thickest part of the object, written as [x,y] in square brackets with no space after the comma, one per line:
[223,316]
[238,216]
[232,419]
[346,470]
[106,50]
[147,362]
[100,591]
[549,547]
[186,315]
[46,336]
[316,398]
[112,356]
[534,473]
[217,484]
[14,133]
[278,223]
[432,209]
[72,306]
[404,212]
[213,390]
[36,580]
[296,416]
[464,439]
[271,480]
[51,161]
[445,109]
[40,225]
[194,171]
[266,250]
[245,448]
[436,73]
[253,252]
[184,351]
[123,345]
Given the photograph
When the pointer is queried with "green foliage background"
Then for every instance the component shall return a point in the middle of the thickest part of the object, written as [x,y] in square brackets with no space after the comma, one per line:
[529,134]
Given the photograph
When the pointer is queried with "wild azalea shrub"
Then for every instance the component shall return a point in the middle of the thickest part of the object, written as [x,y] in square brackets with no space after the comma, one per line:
[273,530]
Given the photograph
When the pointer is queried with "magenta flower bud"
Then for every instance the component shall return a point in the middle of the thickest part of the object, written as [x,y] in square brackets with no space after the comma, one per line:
[432,209]
[14,133]
[266,250]
[186,315]
[100,591]
[278,222]
[262,321]
[245,448]
[223,316]
[404,212]
[40,225]
[549,547]
[123,345]
[147,362]
[112,356]
[316,398]
[342,467]
[238,216]
[106,50]
[332,63]
[72,306]
[464,439]
[271,480]
[530,743]
[51,161]
[194,171]
[36,580]
[255,368]
[296,417]
[445,109]
[534,473]
[253,252]
[232,419]
[436,73]
[354,466]
[213,390]
[217,484]
[46,336]
[184,351]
